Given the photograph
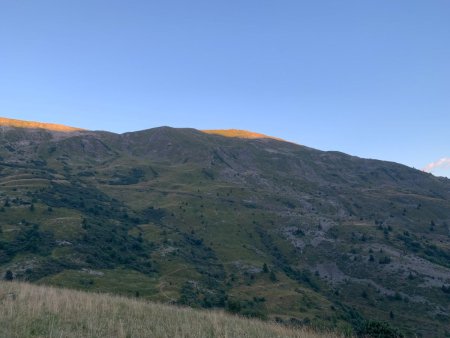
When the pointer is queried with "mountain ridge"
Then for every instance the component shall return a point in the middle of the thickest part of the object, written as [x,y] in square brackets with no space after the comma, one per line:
[239,133]
[233,133]
[8,122]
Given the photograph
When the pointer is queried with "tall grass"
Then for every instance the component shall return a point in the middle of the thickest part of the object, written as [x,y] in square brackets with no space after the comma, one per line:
[35,311]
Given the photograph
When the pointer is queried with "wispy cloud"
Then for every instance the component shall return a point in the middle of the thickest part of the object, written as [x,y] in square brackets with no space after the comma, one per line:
[443,163]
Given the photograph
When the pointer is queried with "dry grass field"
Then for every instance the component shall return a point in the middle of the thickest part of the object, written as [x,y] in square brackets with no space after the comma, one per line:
[36,125]
[35,311]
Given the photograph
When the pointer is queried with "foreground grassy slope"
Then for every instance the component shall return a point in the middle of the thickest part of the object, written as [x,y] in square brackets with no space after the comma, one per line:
[35,311]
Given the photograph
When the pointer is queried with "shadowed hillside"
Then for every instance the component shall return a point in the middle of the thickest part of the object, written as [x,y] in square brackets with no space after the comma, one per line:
[258,227]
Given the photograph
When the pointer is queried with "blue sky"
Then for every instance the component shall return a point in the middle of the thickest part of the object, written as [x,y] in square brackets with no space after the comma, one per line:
[369,78]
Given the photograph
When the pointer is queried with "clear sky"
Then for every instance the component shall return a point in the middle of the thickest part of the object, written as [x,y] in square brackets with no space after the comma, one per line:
[366,77]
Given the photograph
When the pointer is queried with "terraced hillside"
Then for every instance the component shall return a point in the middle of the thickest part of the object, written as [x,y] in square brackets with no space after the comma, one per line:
[256,226]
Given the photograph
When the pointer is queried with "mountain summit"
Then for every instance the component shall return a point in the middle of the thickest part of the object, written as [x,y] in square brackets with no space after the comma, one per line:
[6,122]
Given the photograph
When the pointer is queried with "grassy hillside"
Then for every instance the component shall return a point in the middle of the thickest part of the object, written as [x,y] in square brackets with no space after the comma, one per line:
[35,311]
[239,134]
[258,227]
[31,124]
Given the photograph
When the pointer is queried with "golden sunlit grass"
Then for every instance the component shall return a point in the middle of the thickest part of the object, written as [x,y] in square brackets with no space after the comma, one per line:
[29,310]
[239,134]
[38,125]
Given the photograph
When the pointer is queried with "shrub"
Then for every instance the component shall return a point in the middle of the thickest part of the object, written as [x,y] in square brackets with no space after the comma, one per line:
[385,260]
[9,275]
[379,330]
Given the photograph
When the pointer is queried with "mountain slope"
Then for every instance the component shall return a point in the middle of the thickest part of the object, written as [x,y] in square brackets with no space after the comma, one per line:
[239,134]
[259,227]
[6,122]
